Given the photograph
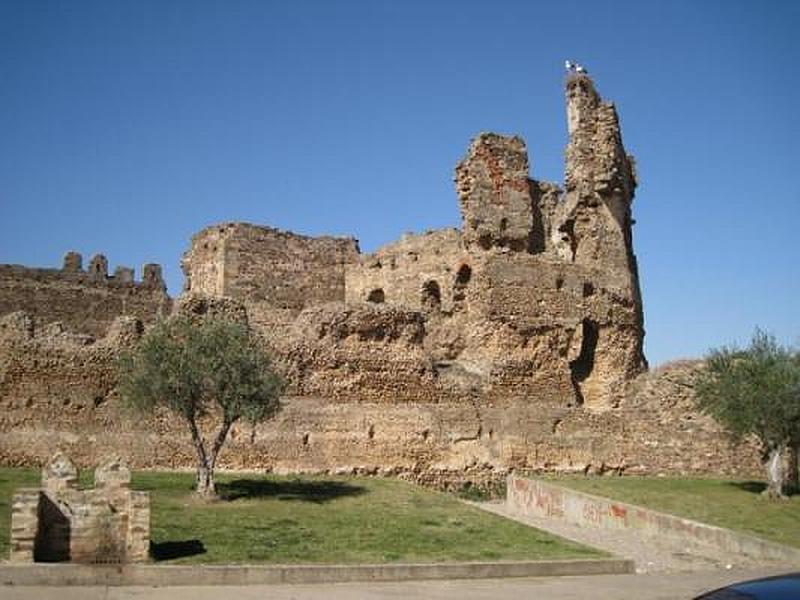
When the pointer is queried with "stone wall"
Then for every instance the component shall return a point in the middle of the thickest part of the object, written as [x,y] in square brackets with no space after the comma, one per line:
[515,343]
[418,272]
[262,265]
[419,436]
[49,375]
[84,301]
[61,523]
[493,186]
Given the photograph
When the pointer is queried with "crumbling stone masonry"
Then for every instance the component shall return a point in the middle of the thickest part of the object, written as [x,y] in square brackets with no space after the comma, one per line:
[511,344]
[59,522]
[84,301]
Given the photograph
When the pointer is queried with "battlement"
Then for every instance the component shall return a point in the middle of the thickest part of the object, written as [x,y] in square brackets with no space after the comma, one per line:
[98,271]
[85,301]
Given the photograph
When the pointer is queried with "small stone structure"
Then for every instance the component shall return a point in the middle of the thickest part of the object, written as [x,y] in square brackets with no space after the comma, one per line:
[59,522]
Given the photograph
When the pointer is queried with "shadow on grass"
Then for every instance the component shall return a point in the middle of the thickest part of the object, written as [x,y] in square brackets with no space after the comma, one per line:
[758,487]
[754,487]
[169,550]
[306,491]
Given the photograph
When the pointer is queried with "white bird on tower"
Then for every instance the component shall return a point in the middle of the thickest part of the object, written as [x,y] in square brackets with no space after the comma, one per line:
[569,66]
[580,69]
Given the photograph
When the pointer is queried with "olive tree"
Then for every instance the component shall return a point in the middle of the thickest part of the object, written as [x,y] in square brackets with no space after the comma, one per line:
[211,368]
[756,391]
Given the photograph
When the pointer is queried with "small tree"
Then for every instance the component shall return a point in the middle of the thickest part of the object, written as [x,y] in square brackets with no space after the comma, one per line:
[756,391]
[200,368]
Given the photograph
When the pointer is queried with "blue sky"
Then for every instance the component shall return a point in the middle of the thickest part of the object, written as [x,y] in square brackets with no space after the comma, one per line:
[125,127]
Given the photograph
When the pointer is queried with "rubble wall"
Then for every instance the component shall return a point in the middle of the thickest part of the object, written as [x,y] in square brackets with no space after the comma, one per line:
[255,264]
[474,438]
[514,343]
[417,272]
[85,301]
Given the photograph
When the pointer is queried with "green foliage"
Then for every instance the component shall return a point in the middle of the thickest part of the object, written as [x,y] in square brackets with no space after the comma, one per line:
[754,391]
[190,367]
[201,368]
[493,490]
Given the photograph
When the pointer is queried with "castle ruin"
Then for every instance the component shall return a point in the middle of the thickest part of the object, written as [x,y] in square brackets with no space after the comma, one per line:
[514,342]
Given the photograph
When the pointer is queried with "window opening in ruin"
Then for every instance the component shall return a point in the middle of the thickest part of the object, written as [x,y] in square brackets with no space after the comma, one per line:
[463,276]
[588,289]
[559,283]
[377,296]
[503,224]
[431,296]
[568,236]
[582,366]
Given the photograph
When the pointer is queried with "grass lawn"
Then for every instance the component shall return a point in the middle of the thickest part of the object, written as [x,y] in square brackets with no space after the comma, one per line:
[266,519]
[732,504]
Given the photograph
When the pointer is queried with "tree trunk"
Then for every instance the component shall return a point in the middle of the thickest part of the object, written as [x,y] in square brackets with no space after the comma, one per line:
[775,473]
[204,482]
[222,434]
[793,472]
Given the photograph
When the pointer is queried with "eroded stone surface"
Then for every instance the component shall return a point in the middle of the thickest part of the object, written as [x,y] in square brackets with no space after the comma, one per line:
[84,301]
[453,355]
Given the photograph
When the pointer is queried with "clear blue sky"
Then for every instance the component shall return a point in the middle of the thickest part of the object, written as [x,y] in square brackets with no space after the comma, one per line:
[127,126]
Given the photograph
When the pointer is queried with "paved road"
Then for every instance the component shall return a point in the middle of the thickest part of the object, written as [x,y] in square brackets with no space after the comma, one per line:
[680,586]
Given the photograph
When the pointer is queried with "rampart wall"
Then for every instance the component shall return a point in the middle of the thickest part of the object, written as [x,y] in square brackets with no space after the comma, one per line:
[57,391]
[85,301]
[512,343]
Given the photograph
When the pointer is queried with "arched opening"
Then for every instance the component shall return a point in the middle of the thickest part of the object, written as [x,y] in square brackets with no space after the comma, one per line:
[376,296]
[431,296]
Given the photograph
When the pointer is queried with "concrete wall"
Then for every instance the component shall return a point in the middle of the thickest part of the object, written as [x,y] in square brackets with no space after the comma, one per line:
[530,497]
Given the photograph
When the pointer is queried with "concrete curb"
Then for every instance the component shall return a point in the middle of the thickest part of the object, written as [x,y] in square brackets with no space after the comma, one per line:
[533,497]
[150,575]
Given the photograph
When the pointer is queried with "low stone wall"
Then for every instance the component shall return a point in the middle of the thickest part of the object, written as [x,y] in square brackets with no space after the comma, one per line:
[529,497]
[59,522]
